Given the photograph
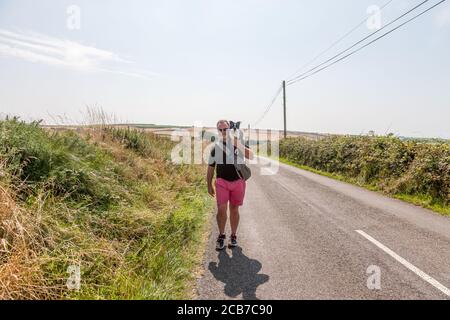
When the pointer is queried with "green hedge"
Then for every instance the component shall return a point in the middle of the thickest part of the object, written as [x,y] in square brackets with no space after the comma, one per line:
[387,163]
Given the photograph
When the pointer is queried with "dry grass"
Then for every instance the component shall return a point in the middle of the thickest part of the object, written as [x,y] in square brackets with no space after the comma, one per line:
[138,242]
[20,274]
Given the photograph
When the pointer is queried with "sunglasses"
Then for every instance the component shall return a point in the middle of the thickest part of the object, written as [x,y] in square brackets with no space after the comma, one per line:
[223,130]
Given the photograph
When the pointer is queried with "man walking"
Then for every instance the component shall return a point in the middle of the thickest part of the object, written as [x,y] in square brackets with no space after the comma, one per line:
[229,185]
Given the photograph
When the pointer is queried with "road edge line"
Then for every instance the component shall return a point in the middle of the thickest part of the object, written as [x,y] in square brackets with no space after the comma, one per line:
[407,264]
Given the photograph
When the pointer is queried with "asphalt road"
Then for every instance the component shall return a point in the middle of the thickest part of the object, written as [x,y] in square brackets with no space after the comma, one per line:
[305,236]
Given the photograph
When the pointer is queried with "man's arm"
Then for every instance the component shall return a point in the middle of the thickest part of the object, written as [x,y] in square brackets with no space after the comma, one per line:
[248,153]
[209,178]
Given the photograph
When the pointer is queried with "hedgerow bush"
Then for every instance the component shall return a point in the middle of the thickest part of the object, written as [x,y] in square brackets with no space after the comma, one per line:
[387,163]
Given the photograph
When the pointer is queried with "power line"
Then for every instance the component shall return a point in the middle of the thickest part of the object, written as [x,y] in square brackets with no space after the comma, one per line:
[309,74]
[368,44]
[290,81]
[334,44]
[266,111]
[314,59]
[269,106]
[293,80]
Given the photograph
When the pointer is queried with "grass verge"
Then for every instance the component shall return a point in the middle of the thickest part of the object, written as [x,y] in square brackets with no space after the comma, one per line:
[107,200]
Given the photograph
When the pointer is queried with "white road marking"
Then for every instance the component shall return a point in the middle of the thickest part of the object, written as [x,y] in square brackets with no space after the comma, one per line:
[408,265]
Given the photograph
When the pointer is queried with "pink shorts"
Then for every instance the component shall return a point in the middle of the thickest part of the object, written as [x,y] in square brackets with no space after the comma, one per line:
[232,191]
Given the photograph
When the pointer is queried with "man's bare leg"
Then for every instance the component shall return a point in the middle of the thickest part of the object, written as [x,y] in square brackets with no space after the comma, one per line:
[234,218]
[222,217]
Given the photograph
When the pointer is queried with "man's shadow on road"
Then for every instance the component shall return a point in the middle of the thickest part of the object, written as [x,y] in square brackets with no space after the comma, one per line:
[239,273]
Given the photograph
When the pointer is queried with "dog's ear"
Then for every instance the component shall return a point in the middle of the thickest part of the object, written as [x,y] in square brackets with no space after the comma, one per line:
[238,124]
[232,124]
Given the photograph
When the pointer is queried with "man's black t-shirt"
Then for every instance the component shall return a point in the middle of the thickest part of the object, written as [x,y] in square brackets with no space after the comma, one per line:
[224,169]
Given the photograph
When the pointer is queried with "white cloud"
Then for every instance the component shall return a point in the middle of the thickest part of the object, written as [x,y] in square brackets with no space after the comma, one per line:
[39,48]
[442,18]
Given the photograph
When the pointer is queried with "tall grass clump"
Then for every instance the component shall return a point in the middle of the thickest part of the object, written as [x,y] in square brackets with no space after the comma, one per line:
[127,216]
[138,141]
[408,169]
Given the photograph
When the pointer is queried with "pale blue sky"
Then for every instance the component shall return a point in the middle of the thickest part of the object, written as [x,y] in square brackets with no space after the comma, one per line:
[180,62]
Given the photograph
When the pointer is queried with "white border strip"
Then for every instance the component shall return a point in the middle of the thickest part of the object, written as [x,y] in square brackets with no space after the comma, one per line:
[408,265]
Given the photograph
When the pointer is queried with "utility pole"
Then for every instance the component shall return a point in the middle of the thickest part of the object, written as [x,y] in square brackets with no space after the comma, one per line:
[284,108]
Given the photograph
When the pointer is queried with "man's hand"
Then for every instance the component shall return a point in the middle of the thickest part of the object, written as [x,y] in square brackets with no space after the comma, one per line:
[209,180]
[211,190]
[248,153]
